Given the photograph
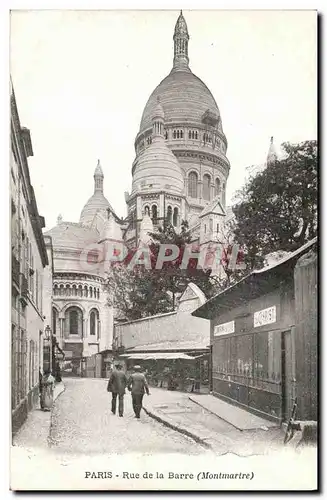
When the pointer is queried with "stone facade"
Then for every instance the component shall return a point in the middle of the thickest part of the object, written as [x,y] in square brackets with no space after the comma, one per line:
[28,259]
[177,330]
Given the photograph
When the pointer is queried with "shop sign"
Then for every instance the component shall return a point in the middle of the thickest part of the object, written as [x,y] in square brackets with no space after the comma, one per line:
[224,328]
[265,316]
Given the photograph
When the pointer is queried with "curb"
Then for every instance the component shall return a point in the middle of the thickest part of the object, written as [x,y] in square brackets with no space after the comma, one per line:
[212,413]
[178,428]
[50,441]
[227,421]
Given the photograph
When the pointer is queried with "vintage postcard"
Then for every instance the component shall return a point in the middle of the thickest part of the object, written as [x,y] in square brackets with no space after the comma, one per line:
[164,285]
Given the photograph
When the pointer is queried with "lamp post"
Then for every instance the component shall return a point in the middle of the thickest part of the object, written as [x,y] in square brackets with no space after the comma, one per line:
[48,338]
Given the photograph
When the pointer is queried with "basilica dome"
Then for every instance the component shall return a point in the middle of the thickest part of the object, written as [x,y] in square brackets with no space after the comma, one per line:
[184,98]
[97,204]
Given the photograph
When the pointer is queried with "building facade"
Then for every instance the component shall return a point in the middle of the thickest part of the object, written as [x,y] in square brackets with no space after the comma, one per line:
[81,318]
[264,338]
[28,259]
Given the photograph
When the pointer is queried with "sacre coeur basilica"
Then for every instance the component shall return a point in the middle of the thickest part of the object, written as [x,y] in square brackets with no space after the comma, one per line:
[179,173]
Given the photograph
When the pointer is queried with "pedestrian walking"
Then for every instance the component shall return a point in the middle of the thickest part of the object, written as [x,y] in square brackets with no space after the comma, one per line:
[116,385]
[138,385]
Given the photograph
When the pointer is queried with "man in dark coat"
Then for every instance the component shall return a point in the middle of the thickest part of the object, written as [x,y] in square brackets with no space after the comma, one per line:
[117,385]
[138,385]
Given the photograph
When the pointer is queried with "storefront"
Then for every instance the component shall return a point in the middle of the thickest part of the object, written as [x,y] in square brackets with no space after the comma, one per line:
[253,340]
[172,370]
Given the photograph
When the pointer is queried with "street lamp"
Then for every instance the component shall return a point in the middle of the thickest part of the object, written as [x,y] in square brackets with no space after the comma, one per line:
[47,332]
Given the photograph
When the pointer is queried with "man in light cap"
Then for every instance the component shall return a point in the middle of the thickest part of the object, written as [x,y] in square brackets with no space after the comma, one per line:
[117,385]
[138,385]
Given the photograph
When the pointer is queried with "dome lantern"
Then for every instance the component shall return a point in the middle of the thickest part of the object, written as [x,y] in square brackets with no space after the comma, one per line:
[181,38]
[98,178]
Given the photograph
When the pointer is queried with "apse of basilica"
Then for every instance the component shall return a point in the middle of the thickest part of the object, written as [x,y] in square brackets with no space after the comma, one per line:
[179,173]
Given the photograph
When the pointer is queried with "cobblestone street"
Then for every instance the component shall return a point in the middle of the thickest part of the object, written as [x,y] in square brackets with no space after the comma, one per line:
[83,423]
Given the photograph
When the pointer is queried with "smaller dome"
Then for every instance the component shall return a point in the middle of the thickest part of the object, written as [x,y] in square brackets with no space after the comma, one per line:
[98,203]
[157,167]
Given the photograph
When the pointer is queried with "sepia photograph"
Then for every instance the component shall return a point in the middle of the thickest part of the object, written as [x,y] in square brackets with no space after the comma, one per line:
[164,250]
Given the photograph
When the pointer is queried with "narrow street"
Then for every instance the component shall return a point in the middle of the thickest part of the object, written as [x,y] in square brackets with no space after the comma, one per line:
[82,422]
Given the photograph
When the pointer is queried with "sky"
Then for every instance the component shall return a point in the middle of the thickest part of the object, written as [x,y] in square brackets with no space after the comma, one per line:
[82,79]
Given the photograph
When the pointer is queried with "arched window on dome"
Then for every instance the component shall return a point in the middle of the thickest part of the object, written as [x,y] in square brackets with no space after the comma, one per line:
[196,134]
[217,187]
[193,135]
[169,214]
[189,134]
[175,217]
[181,134]
[154,214]
[86,292]
[174,134]
[206,187]
[193,185]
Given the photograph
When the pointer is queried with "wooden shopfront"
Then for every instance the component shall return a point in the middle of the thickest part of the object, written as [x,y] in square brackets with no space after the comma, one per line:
[253,341]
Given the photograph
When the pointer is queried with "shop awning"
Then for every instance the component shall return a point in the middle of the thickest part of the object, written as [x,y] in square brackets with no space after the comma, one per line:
[157,355]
